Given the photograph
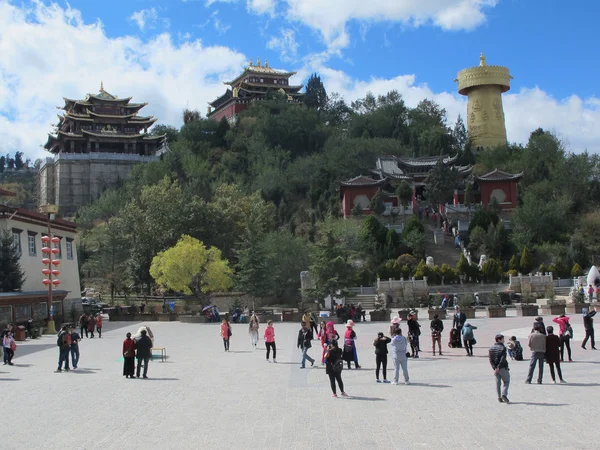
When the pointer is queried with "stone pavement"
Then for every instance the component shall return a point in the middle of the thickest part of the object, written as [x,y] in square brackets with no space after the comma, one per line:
[205,398]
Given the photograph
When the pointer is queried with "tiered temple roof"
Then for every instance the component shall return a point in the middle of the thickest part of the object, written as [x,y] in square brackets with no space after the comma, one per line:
[253,84]
[499,175]
[412,168]
[103,123]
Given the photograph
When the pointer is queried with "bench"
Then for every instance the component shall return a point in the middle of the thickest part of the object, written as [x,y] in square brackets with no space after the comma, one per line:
[163,352]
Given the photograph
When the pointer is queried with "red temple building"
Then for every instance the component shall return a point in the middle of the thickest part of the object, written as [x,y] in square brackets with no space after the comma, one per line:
[499,185]
[254,83]
[95,144]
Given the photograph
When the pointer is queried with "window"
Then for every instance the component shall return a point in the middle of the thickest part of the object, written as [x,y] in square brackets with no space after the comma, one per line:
[262,80]
[59,247]
[274,81]
[17,239]
[69,248]
[31,243]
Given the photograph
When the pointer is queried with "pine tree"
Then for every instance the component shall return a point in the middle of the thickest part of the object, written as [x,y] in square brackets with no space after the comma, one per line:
[377,205]
[315,95]
[11,275]
[330,269]
[513,264]
[460,134]
[526,263]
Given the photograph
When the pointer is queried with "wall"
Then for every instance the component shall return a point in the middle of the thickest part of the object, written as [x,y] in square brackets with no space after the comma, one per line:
[32,265]
[229,111]
[349,193]
[538,283]
[508,187]
[404,291]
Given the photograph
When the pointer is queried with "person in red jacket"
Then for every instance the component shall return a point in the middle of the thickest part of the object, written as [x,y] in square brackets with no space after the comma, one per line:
[99,325]
[565,334]
[270,340]
[91,324]
[128,357]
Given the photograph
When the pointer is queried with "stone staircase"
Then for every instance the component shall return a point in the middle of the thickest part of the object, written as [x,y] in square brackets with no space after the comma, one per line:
[367,301]
[441,253]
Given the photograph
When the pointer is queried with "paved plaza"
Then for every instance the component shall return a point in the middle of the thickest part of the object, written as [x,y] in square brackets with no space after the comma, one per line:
[203,398]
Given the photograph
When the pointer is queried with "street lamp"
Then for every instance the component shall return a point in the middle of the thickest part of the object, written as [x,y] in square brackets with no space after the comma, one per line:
[50,248]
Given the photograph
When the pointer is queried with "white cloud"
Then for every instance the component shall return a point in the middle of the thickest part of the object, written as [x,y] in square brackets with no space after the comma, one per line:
[220,27]
[330,18]
[34,77]
[144,17]
[573,119]
[285,43]
[261,6]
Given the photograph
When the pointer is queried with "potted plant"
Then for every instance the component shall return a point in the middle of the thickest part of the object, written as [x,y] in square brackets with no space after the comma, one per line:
[576,303]
[466,303]
[526,308]
[439,311]
[552,308]
[380,314]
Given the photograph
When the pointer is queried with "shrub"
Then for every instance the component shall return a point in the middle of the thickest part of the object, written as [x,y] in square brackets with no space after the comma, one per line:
[514,264]
[576,271]
[526,263]
[492,271]
[413,224]
[407,260]
[543,268]
[462,266]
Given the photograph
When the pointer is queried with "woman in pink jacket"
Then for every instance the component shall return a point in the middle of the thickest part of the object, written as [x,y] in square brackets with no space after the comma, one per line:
[225,333]
[270,341]
[565,334]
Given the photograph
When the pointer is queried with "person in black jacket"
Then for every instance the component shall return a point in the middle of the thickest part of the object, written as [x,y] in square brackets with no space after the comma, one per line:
[459,320]
[414,331]
[381,353]
[497,355]
[304,338]
[437,326]
[144,351]
[334,367]
[588,324]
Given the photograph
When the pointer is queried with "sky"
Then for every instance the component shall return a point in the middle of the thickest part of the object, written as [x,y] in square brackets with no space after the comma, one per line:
[175,54]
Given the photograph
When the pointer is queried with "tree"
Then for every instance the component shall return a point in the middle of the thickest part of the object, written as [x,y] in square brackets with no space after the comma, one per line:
[462,267]
[392,244]
[526,262]
[356,210]
[513,264]
[460,134]
[492,271]
[412,225]
[576,271]
[190,116]
[377,205]
[372,233]
[190,267]
[440,184]
[415,240]
[171,132]
[315,95]
[2,163]
[330,268]
[19,160]
[11,275]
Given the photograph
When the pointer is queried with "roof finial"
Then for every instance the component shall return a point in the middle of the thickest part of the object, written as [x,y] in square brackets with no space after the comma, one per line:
[267,63]
[102,86]
[258,62]
[250,65]
[482,62]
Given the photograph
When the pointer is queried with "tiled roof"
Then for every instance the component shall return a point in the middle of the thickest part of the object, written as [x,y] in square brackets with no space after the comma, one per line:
[499,175]
[361,180]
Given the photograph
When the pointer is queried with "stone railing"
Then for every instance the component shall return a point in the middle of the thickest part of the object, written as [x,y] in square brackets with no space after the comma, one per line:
[538,282]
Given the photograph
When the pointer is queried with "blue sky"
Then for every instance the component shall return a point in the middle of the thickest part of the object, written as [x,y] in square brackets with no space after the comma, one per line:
[175,53]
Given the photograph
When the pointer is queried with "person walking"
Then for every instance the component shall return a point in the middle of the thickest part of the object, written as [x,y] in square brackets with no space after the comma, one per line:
[304,338]
[63,342]
[83,324]
[313,324]
[566,334]
[458,321]
[128,357]
[588,324]
[381,352]
[99,325]
[270,341]
[468,337]
[91,323]
[399,357]
[437,327]
[253,327]
[349,354]
[322,336]
[331,335]
[75,338]
[8,345]
[499,363]
[414,331]
[225,333]
[334,367]
[553,354]
[537,345]
[143,347]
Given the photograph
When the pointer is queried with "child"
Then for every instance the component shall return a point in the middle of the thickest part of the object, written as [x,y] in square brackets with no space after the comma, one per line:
[518,350]
[510,345]
[270,340]
[381,353]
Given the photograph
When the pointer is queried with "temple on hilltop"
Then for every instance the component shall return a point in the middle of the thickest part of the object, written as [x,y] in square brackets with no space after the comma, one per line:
[254,83]
[390,171]
[95,144]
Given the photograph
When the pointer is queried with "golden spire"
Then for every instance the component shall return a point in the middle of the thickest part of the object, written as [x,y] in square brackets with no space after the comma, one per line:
[258,62]
[482,62]
[102,86]
[267,63]
[250,65]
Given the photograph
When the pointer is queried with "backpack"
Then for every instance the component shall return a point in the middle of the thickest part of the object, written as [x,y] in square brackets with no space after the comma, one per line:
[518,351]
[568,332]
[60,339]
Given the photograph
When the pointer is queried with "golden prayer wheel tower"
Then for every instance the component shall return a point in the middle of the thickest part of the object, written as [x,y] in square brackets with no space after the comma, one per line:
[484,85]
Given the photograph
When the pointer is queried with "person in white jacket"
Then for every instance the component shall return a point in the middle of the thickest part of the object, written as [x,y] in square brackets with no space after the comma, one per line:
[399,356]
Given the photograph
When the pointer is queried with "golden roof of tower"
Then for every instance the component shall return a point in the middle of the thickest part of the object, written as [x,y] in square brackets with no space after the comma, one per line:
[483,75]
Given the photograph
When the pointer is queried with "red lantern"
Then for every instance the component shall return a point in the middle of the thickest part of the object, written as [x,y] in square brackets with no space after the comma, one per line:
[55,240]
[55,272]
[46,261]
[46,271]
[55,251]
[45,238]
[56,282]
[46,281]
[45,249]
[56,262]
